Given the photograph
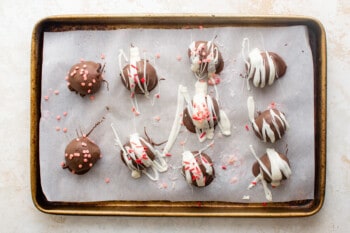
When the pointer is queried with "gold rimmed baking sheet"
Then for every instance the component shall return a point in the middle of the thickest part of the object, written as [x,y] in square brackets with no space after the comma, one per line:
[181,208]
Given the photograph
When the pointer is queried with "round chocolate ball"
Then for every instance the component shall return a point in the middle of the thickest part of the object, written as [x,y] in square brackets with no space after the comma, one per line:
[145,80]
[197,168]
[205,58]
[81,155]
[85,78]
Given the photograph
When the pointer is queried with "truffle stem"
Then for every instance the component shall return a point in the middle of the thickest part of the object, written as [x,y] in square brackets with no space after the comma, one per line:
[95,126]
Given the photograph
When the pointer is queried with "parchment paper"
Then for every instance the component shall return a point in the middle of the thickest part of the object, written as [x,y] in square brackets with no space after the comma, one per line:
[293,94]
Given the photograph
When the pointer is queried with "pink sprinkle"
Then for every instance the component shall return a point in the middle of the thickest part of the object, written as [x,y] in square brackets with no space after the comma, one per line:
[157,55]
[65,113]
[107,180]
[233,180]
[247,127]
[83,144]
[157,96]
[90,84]
[56,92]
[63,164]
[182,143]
[103,56]
[85,77]
[101,156]
[80,165]
[272,105]
[94,80]
[89,91]
[64,130]
[90,164]
[223,167]
[84,65]
[58,117]
[58,128]
[164,185]
[82,60]
[65,155]
[200,27]
[85,160]
[66,78]
[92,98]
[46,97]
[157,118]
[82,84]
[179,58]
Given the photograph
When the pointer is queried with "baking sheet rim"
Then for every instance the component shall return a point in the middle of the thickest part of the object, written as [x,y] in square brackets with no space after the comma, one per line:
[164,208]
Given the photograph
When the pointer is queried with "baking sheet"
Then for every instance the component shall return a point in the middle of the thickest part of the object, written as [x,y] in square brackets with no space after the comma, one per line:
[293,95]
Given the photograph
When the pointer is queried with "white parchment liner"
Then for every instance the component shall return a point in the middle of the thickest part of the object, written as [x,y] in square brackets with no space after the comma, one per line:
[293,95]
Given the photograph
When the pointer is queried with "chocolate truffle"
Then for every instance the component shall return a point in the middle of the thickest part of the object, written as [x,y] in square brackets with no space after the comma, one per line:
[139,154]
[140,78]
[277,167]
[272,167]
[81,154]
[206,59]
[197,167]
[203,114]
[270,125]
[264,67]
[85,77]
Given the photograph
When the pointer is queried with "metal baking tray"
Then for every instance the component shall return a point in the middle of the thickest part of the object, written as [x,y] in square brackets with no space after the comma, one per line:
[299,208]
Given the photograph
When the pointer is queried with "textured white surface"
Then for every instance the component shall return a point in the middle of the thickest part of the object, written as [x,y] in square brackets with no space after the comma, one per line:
[18,213]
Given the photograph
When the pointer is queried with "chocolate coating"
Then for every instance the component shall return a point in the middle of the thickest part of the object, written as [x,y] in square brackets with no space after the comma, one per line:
[150,78]
[138,164]
[273,122]
[187,119]
[85,78]
[81,154]
[261,70]
[265,160]
[208,177]
[203,55]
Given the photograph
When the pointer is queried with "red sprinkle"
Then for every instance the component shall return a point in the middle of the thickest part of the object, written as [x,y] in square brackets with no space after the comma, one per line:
[246,127]
[264,204]
[157,96]
[199,204]
[223,167]
[143,80]
[167,154]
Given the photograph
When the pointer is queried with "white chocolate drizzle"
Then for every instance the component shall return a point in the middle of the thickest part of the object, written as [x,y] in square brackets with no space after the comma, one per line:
[256,67]
[266,132]
[279,168]
[192,171]
[136,152]
[203,68]
[203,115]
[132,80]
